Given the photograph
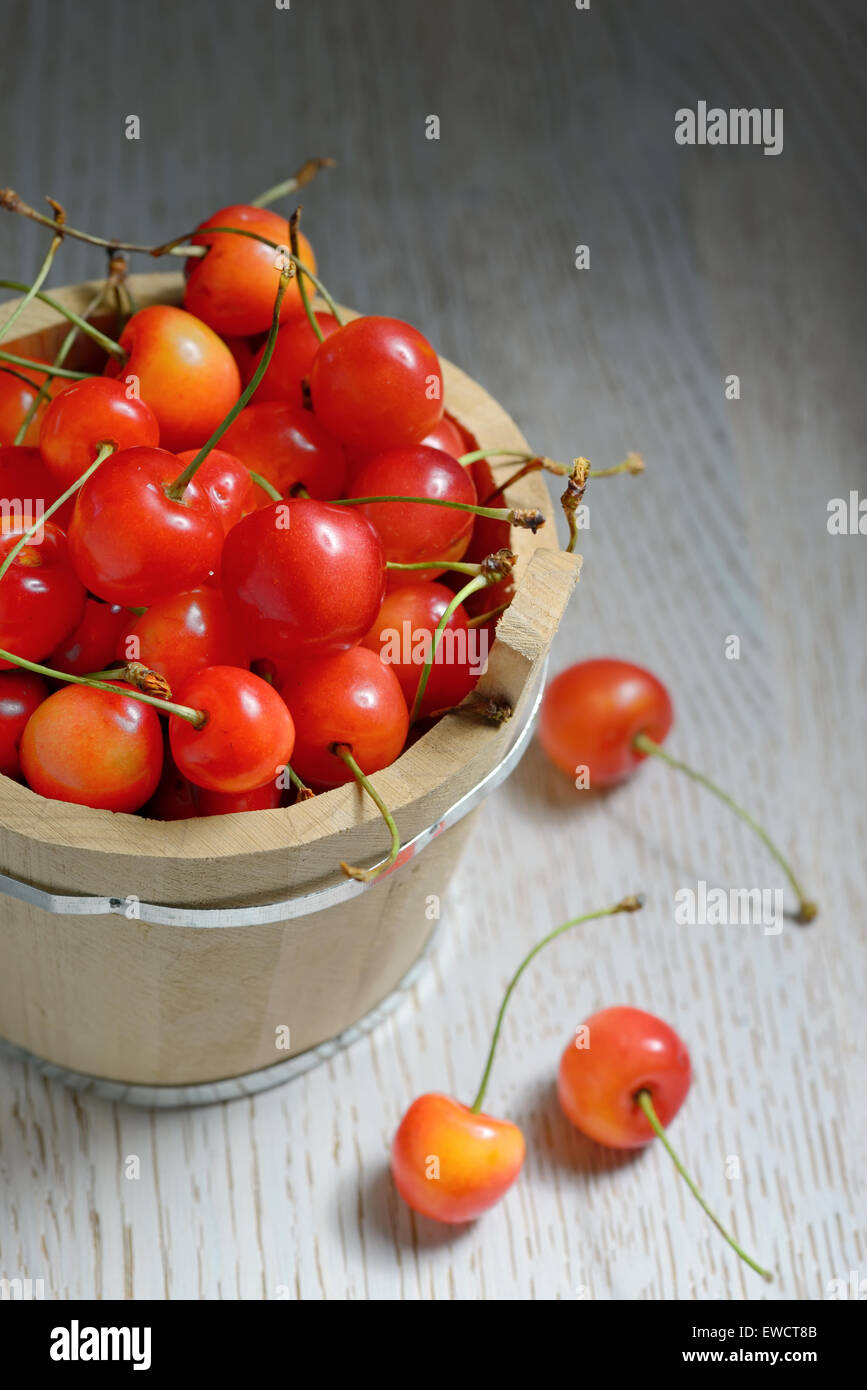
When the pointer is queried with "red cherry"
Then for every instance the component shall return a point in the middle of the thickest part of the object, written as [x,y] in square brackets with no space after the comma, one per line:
[403,637]
[452,1164]
[234,286]
[187,375]
[292,360]
[85,415]
[617,1053]
[182,634]
[376,383]
[286,444]
[41,597]
[227,483]
[265,798]
[28,489]
[592,712]
[16,398]
[131,543]
[93,748]
[20,694]
[447,436]
[412,531]
[248,734]
[347,697]
[92,645]
[301,575]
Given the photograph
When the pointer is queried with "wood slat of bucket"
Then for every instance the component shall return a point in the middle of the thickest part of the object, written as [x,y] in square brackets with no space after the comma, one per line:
[136,1002]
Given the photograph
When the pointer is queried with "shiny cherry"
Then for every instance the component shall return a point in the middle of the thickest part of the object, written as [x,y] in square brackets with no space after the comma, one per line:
[287,445]
[92,645]
[181,634]
[411,531]
[185,373]
[450,1163]
[233,287]
[403,636]
[41,597]
[592,712]
[377,383]
[86,415]
[227,483]
[292,359]
[94,748]
[247,736]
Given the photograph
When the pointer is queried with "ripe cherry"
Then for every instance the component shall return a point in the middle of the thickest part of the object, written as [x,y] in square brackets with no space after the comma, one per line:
[450,1163]
[376,383]
[16,398]
[601,718]
[247,735]
[348,698]
[301,575]
[27,487]
[232,288]
[447,437]
[85,415]
[92,645]
[412,532]
[93,748]
[184,371]
[130,542]
[403,635]
[265,798]
[227,483]
[20,694]
[41,597]
[287,445]
[292,361]
[181,634]
[622,1079]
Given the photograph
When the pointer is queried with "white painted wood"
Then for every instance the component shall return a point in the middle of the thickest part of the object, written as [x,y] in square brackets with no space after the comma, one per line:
[703,262]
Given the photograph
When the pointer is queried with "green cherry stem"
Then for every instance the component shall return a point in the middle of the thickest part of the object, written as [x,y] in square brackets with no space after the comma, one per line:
[27,536]
[45,367]
[630,904]
[459,566]
[107,344]
[645,1103]
[807,907]
[31,291]
[481,581]
[198,718]
[304,792]
[175,249]
[516,516]
[302,275]
[344,751]
[176,489]
[484,618]
[266,487]
[308,171]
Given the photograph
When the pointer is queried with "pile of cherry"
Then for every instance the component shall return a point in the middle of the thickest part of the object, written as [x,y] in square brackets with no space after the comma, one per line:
[203,554]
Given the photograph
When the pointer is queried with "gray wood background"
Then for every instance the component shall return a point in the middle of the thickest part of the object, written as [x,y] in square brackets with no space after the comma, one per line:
[556,129]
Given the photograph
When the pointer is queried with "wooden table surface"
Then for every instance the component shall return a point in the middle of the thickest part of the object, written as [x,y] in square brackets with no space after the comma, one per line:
[556,129]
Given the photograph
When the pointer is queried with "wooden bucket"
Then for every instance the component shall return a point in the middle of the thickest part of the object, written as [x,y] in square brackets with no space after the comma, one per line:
[174,963]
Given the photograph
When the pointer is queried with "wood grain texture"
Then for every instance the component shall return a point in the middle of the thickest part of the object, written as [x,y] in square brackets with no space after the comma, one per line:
[556,129]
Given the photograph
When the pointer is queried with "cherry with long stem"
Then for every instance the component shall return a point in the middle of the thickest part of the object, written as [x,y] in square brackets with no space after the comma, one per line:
[344,751]
[630,904]
[644,744]
[644,1101]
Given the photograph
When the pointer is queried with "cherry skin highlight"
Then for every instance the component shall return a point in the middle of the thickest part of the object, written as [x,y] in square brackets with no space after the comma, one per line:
[132,544]
[93,748]
[233,288]
[301,576]
[41,596]
[627,1051]
[412,531]
[21,692]
[185,373]
[249,732]
[86,415]
[227,483]
[377,383]
[591,713]
[348,697]
[477,1159]
[182,634]
[287,445]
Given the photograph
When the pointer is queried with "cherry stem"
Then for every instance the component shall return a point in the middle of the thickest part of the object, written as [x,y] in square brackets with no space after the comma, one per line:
[31,291]
[630,904]
[176,489]
[459,566]
[198,718]
[179,250]
[807,908]
[106,343]
[304,792]
[302,287]
[45,367]
[269,488]
[27,536]
[344,751]
[481,581]
[516,516]
[308,171]
[644,1101]
[484,618]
